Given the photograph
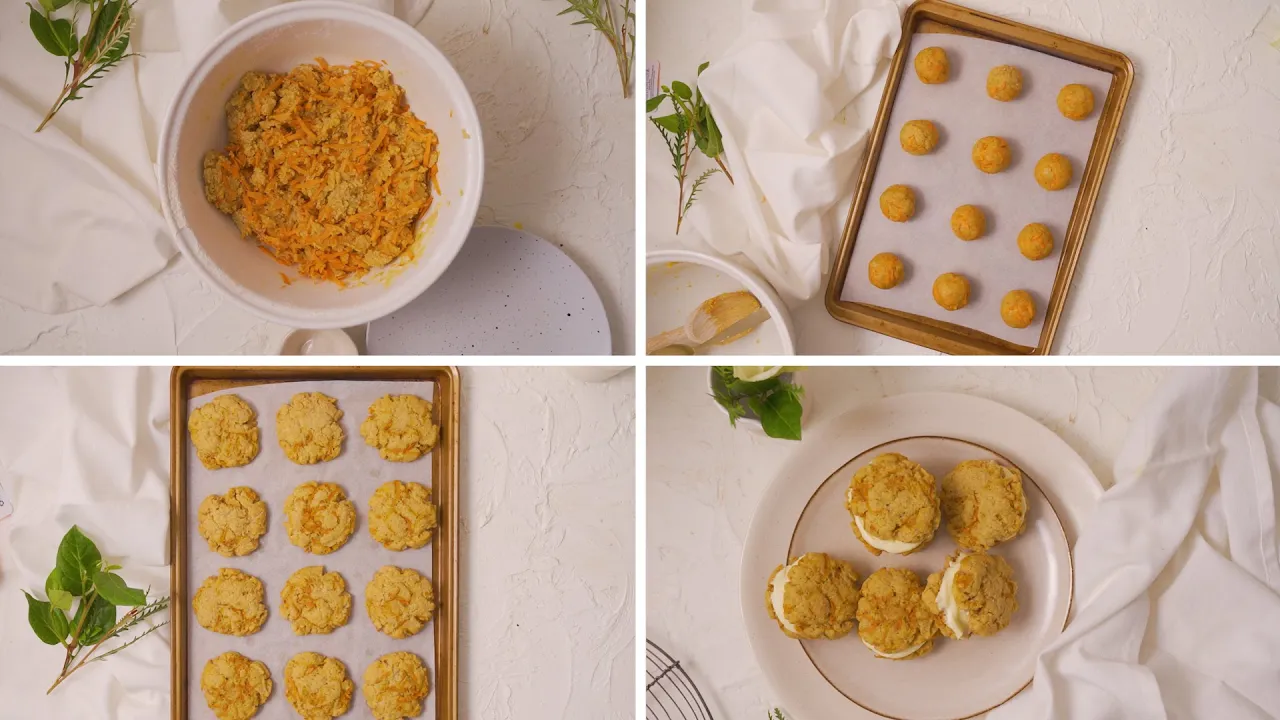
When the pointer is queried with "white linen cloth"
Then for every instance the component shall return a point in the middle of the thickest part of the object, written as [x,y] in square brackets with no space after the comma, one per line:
[82,220]
[794,97]
[1177,576]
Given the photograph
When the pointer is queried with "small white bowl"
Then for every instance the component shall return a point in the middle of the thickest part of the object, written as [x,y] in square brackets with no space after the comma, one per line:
[679,280]
[318,342]
[277,40]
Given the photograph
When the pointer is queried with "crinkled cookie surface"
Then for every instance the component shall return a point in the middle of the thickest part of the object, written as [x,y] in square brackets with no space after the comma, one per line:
[308,430]
[400,427]
[224,432]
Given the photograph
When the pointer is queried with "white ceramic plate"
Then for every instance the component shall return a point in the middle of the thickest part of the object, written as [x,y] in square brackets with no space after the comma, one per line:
[803,510]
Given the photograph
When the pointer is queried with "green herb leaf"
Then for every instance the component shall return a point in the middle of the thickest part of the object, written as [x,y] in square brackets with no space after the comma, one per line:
[112,588]
[44,620]
[102,22]
[78,560]
[58,596]
[672,123]
[702,67]
[654,102]
[681,90]
[101,618]
[779,413]
[57,37]
[48,6]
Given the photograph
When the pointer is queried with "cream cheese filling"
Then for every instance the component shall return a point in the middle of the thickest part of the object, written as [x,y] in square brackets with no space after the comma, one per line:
[889,546]
[779,592]
[896,655]
[956,617]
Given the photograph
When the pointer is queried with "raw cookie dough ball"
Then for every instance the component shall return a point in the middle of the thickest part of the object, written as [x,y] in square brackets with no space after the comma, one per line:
[400,427]
[918,137]
[308,428]
[230,603]
[893,621]
[1053,171]
[1075,102]
[1004,83]
[225,432]
[234,686]
[315,601]
[399,601]
[893,504]
[401,515]
[1035,241]
[318,517]
[885,270]
[233,523]
[898,203]
[932,66]
[968,222]
[973,595]
[951,291]
[317,686]
[1017,309]
[991,154]
[814,596]
[395,686]
[984,504]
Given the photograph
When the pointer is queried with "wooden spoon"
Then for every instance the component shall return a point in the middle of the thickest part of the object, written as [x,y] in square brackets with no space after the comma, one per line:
[711,317]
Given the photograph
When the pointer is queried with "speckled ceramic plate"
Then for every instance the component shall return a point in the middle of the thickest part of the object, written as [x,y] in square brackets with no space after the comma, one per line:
[803,511]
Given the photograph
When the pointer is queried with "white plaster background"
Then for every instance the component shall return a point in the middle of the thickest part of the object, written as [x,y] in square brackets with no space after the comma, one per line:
[560,161]
[1181,256]
[706,478]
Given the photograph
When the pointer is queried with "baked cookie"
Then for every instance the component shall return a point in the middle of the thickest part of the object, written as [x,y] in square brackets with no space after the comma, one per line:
[1035,241]
[232,523]
[892,620]
[317,686]
[814,596]
[230,603]
[992,154]
[973,595]
[318,517]
[1004,83]
[400,602]
[1075,102]
[984,504]
[308,430]
[1053,172]
[951,291]
[898,203]
[918,137]
[225,432]
[234,686]
[1017,309]
[932,66]
[315,601]
[894,505]
[401,515]
[395,686]
[400,427]
[968,222]
[886,271]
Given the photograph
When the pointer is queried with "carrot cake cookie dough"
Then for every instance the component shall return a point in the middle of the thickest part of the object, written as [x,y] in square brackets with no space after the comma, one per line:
[894,505]
[992,154]
[400,602]
[400,427]
[973,595]
[1004,83]
[234,686]
[1053,172]
[315,601]
[815,596]
[984,504]
[1035,241]
[968,222]
[401,515]
[308,430]
[1075,102]
[318,517]
[224,432]
[233,523]
[317,686]
[395,686]
[886,271]
[932,66]
[918,137]
[892,620]
[951,291]
[1017,309]
[230,603]
[898,203]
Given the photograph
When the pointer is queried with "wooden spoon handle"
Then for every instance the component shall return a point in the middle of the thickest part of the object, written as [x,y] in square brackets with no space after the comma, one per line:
[665,340]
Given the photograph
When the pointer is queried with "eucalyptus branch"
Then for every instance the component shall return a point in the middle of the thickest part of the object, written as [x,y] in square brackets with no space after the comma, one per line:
[618,26]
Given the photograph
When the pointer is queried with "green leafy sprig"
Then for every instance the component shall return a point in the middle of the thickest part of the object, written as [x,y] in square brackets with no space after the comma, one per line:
[776,714]
[618,26]
[775,401]
[85,59]
[690,126]
[81,579]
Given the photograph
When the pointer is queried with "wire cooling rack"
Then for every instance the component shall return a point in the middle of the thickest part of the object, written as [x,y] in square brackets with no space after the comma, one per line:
[671,692]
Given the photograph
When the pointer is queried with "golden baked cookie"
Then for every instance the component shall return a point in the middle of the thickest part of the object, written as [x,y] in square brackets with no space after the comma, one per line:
[984,504]
[400,602]
[918,137]
[395,686]
[932,66]
[318,517]
[1017,309]
[1075,102]
[973,595]
[232,523]
[1004,83]
[400,427]
[1053,172]
[992,154]
[892,620]
[951,291]
[814,596]
[893,504]
[317,686]
[308,430]
[315,601]
[1035,241]
[224,432]
[968,222]
[898,203]
[886,270]
[401,515]
[230,603]
[234,686]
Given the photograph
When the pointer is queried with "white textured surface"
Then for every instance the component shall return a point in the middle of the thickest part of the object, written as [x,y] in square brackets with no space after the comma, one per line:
[1181,254]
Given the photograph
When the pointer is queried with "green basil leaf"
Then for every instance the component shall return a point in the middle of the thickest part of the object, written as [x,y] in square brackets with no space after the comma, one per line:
[681,90]
[78,560]
[112,588]
[654,102]
[58,596]
[703,66]
[779,414]
[42,28]
[41,618]
[673,123]
[103,21]
[101,618]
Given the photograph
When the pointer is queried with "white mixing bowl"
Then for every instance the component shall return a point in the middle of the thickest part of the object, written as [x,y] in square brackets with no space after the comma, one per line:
[277,40]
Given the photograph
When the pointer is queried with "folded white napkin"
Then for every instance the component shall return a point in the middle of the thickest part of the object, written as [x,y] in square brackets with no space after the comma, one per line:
[1177,576]
[794,97]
